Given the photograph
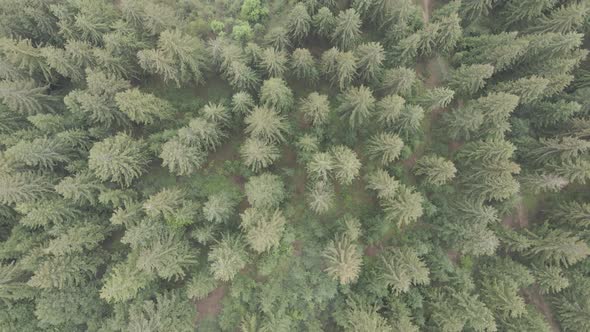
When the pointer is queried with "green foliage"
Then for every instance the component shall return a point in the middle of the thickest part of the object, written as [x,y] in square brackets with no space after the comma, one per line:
[386,147]
[265,124]
[276,94]
[258,154]
[168,311]
[436,170]
[343,260]
[402,268]
[253,10]
[347,29]
[143,108]
[346,164]
[303,65]
[167,256]
[263,228]
[404,208]
[316,108]
[299,22]
[357,104]
[470,79]
[119,159]
[265,191]
[227,258]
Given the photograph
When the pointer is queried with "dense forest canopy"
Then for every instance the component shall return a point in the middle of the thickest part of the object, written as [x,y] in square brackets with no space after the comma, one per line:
[284,165]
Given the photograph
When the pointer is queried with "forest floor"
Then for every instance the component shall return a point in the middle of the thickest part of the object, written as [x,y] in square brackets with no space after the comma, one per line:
[211,305]
[532,296]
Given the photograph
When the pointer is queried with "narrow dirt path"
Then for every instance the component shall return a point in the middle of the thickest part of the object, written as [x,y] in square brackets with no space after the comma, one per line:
[533,297]
[211,305]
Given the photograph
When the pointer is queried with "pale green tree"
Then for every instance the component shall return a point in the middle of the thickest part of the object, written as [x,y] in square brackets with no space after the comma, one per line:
[398,80]
[343,260]
[219,207]
[274,62]
[299,22]
[143,108]
[389,109]
[265,191]
[320,165]
[402,268]
[119,159]
[265,124]
[384,184]
[181,159]
[316,108]
[370,60]
[276,94]
[436,170]
[404,208]
[357,105]
[258,154]
[470,79]
[346,164]
[321,197]
[227,257]
[347,29]
[242,103]
[385,146]
[304,65]
[263,228]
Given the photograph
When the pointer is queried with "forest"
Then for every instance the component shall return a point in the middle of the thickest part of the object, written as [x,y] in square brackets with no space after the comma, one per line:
[294,165]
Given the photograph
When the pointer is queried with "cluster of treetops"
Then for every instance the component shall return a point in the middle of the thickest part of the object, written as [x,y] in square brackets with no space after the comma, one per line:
[285,165]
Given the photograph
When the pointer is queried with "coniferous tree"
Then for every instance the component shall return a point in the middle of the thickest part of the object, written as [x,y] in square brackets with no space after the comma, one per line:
[321,165]
[274,62]
[142,107]
[389,109]
[227,258]
[315,108]
[181,159]
[363,317]
[24,96]
[384,184]
[303,65]
[42,152]
[385,146]
[168,257]
[265,124]
[398,80]
[299,22]
[242,103]
[321,197]
[343,260]
[347,29]
[346,164]
[276,94]
[265,191]
[402,268]
[278,38]
[436,170]
[119,159]
[370,60]
[324,22]
[470,79]
[258,154]
[404,208]
[23,187]
[357,104]
[263,228]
